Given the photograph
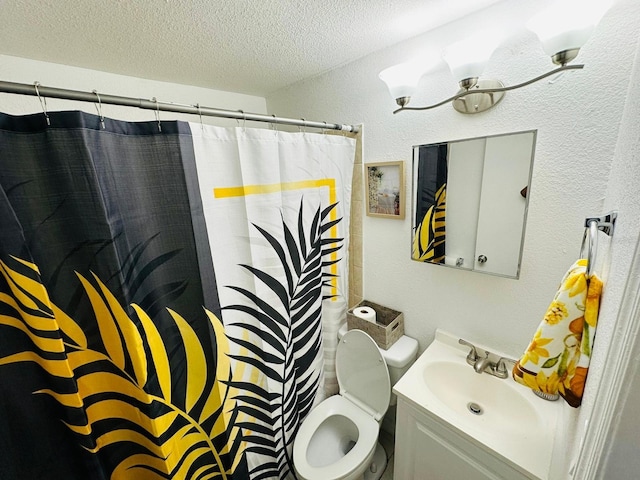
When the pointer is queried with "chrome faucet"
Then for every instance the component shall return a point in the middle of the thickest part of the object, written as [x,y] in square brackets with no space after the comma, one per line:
[481,361]
[481,364]
[473,353]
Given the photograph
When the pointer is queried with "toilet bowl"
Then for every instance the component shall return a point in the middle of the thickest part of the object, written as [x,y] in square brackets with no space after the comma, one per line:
[338,439]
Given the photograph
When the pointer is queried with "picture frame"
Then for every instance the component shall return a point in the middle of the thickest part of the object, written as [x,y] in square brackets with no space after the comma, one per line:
[385,195]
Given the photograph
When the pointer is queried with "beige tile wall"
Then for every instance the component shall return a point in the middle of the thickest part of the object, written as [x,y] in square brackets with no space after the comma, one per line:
[356,288]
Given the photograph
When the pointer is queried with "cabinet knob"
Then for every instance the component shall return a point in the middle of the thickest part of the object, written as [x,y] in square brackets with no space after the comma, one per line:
[482,258]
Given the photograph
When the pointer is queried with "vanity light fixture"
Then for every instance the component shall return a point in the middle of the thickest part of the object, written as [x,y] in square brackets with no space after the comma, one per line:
[562,30]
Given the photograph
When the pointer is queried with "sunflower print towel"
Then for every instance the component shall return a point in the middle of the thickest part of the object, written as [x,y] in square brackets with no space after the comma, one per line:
[557,359]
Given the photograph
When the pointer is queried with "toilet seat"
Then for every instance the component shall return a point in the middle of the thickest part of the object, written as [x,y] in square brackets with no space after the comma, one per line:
[357,457]
[362,373]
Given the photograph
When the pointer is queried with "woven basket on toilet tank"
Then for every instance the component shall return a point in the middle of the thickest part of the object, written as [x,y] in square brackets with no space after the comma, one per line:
[389,326]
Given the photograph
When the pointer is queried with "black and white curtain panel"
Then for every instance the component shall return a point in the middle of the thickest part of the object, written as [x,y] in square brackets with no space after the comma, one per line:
[161,295]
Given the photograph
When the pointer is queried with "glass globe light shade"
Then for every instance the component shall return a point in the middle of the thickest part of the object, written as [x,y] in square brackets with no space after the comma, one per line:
[402,79]
[567,25]
[468,58]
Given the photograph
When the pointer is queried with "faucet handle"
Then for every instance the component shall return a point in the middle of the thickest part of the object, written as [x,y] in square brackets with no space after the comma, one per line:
[473,353]
[501,366]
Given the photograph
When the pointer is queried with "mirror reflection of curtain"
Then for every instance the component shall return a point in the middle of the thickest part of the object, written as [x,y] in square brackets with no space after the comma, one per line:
[130,347]
[430,208]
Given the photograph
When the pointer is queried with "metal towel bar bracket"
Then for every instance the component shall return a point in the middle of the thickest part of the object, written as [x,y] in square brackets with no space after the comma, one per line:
[606,224]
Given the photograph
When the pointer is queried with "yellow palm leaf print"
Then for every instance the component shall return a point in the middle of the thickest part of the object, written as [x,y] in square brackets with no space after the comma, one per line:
[196,361]
[159,358]
[112,380]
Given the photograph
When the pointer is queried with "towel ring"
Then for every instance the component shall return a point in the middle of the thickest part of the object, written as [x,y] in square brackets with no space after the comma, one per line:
[606,224]
[592,230]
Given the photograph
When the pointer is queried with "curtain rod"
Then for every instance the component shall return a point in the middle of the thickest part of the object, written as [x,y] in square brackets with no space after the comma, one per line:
[52,92]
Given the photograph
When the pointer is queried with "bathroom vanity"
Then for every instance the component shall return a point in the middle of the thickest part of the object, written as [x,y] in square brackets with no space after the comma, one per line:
[456,424]
[429,447]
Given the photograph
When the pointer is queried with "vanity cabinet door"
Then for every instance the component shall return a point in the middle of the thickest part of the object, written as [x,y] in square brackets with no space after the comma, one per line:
[427,450]
[435,460]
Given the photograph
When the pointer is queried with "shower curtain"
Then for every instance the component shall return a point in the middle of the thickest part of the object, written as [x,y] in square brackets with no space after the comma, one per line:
[161,294]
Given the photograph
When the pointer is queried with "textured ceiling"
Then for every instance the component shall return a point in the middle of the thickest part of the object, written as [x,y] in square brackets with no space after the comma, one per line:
[246,46]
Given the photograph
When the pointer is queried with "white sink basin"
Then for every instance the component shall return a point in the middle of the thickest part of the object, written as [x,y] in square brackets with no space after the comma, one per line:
[497,414]
[481,399]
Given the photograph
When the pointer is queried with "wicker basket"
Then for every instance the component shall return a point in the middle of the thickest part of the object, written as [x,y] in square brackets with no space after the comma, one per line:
[389,326]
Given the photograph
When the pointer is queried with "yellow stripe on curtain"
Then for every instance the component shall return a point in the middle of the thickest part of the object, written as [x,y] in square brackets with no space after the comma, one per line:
[330,183]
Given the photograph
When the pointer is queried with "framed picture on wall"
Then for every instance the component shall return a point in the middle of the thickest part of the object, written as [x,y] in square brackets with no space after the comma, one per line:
[385,189]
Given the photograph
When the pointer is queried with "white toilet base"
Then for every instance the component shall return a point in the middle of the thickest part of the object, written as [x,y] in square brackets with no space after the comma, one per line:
[379,464]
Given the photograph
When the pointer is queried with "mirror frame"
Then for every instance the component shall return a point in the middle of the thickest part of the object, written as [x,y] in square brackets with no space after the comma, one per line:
[525,192]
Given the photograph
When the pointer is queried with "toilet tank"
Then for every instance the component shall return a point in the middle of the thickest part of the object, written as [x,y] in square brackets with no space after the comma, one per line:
[399,357]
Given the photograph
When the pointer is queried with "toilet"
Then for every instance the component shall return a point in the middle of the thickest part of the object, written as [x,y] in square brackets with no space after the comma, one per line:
[339,438]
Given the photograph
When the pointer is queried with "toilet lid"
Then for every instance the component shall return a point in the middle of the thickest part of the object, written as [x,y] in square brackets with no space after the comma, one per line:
[362,373]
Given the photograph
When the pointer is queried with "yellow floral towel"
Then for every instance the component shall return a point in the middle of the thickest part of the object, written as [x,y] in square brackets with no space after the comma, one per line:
[557,359]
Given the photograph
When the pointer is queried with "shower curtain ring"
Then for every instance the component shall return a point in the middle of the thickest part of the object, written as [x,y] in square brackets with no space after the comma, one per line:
[43,103]
[324,130]
[200,115]
[154,99]
[99,109]
[238,120]
[274,124]
[302,128]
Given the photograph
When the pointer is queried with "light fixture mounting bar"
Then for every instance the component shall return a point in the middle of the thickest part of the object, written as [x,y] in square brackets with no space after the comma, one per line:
[477,91]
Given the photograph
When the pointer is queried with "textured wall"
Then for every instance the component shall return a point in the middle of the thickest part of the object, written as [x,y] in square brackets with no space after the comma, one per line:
[578,120]
[621,460]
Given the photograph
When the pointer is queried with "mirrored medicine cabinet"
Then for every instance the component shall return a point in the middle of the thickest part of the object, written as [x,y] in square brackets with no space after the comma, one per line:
[469,202]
